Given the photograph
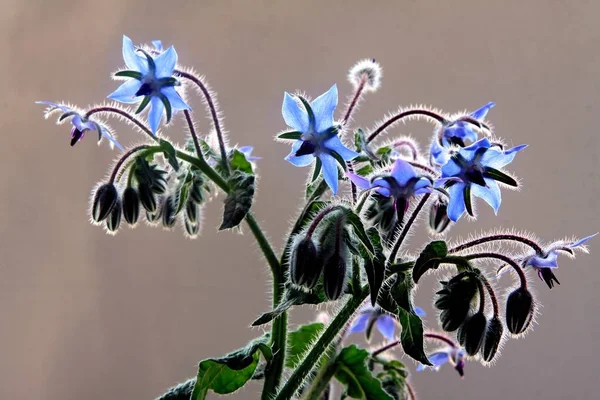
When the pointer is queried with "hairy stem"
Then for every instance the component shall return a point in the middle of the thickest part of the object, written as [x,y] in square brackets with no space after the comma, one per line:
[124,114]
[315,223]
[441,338]
[324,375]
[406,229]
[492,294]
[507,260]
[124,158]
[405,114]
[192,128]
[493,238]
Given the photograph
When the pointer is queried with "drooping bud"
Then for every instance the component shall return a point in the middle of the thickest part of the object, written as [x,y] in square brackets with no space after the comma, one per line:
[305,265]
[168,213]
[474,330]
[105,198]
[334,276]
[192,228]
[519,310]
[114,219]
[438,216]
[154,217]
[493,337]
[147,198]
[548,276]
[191,212]
[131,205]
[454,299]
[196,191]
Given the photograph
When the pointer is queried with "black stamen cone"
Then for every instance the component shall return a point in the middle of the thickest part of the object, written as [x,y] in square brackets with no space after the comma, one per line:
[131,205]
[105,198]
[305,265]
[493,337]
[519,311]
[76,135]
[474,331]
[144,90]
[114,219]
[305,148]
[438,216]
[548,276]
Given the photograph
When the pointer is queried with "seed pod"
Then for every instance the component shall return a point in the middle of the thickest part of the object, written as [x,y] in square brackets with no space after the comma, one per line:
[114,219]
[168,213]
[438,216]
[305,264]
[334,276]
[474,329]
[519,310]
[131,205]
[493,337]
[147,198]
[105,198]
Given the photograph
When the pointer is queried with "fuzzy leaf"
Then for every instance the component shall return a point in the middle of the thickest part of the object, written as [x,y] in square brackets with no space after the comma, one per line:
[411,337]
[238,162]
[352,372]
[299,342]
[170,154]
[239,199]
[429,258]
[293,297]
[290,135]
[359,231]
[375,267]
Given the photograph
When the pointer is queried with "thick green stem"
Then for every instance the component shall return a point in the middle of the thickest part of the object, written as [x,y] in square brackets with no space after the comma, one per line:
[319,348]
[321,381]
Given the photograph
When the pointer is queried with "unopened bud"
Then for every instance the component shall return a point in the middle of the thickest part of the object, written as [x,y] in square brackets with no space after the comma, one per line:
[191,212]
[131,205]
[334,276]
[368,70]
[168,213]
[192,228]
[196,191]
[305,265]
[519,310]
[114,219]
[105,198]
[454,299]
[493,337]
[474,331]
[438,216]
[147,198]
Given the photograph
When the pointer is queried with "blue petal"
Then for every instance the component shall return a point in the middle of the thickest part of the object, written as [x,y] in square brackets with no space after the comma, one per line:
[165,63]
[174,98]
[438,153]
[421,367]
[334,143]
[480,113]
[402,172]
[132,59]
[359,181]
[157,45]
[387,326]
[420,312]
[78,123]
[299,161]
[550,261]
[323,107]
[294,116]
[330,171]
[491,194]
[126,92]
[156,113]
[451,169]
[360,323]
[439,358]
[582,241]
[460,130]
[496,158]
[61,107]
[422,186]
[456,205]
[107,135]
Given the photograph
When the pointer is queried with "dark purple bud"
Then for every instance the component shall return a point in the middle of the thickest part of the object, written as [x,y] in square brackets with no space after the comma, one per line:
[191,212]
[147,198]
[76,135]
[493,337]
[438,216]
[105,198]
[548,276]
[168,213]
[454,299]
[474,330]
[196,191]
[334,276]
[131,205]
[114,219]
[305,264]
[519,311]
[452,319]
[305,148]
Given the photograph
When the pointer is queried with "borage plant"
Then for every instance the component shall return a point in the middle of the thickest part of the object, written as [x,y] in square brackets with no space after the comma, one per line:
[344,250]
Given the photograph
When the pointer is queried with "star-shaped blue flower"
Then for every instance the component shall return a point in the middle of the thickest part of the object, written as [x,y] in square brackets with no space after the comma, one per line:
[477,167]
[543,264]
[80,124]
[455,356]
[316,133]
[385,323]
[151,81]
[456,133]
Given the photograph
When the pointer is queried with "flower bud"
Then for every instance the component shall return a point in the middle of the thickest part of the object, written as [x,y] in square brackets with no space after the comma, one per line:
[147,198]
[519,310]
[196,191]
[192,228]
[454,299]
[153,217]
[114,219]
[493,337]
[305,265]
[474,330]
[191,212]
[168,213]
[334,276]
[131,205]
[370,71]
[105,198]
[438,216]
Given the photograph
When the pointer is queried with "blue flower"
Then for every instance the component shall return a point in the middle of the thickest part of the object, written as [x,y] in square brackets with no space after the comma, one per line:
[455,356]
[247,151]
[80,123]
[316,134]
[150,81]
[545,263]
[456,133]
[477,166]
[385,323]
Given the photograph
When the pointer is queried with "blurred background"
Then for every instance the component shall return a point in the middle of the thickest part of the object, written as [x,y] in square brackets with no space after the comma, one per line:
[87,315]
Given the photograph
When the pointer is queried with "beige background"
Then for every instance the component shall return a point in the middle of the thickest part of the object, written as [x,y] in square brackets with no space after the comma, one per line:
[90,316]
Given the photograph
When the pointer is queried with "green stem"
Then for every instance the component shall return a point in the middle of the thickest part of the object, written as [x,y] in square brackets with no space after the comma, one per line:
[324,375]
[319,348]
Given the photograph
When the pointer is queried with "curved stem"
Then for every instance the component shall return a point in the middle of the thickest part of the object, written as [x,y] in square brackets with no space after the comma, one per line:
[492,238]
[410,390]
[213,112]
[124,114]
[124,158]
[405,114]
[192,128]
[356,98]
[423,167]
[315,223]
[441,338]
[492,294]
[481,296]
[507,260]
[385,348]
[407,143]
[406,229]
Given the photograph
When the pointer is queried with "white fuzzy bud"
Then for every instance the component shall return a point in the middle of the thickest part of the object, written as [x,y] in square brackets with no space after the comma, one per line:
[367,69]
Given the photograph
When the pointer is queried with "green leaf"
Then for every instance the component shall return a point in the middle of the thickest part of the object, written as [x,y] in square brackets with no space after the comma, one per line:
[143,104]
[430,258]
[411,337]
[293,297]
[359,231]
[238,161]
[290,135]
[375,267]
[227,374]
[170,154]
[299,342]
[239,199]
[130,74]
[500,176]
[315,189]
[364,171]
[352,371]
